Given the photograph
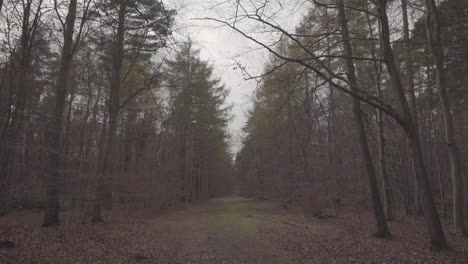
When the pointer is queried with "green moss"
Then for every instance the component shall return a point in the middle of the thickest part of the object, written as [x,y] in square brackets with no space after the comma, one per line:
[234,217]
[240,220]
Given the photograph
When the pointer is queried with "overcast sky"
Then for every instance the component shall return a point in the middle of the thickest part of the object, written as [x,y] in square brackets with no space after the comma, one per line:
[224,48]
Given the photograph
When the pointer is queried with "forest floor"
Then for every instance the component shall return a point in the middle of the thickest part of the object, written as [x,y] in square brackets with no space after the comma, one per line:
[228,230]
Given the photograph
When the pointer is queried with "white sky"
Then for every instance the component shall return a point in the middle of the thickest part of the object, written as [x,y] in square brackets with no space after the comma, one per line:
[223,47]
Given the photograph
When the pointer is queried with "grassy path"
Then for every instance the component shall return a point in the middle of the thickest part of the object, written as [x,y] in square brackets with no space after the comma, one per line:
[221,231]
[216,231]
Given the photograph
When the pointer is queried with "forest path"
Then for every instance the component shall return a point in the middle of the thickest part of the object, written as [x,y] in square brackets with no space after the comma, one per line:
[223,230]
[229,230]
[218,231]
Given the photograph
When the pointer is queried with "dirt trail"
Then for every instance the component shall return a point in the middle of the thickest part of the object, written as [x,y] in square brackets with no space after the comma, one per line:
[220,231]
[217,231]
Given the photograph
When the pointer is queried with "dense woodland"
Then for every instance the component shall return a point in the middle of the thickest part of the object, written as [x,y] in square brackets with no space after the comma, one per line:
[361,107]
[93,113]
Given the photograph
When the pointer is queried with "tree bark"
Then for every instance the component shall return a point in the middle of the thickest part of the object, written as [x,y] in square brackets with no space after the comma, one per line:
[437,53]
[103,195]
[387,192]
[386,186]
[54,141]
[381,224]
[411,91]
[436,234]
[437,165]
[409,62]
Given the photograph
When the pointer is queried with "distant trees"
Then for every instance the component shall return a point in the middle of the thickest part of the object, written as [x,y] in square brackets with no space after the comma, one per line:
[138,27]
[92,110]
[434,40]
[349,110]
[335,39]
[23,47]
[199,118]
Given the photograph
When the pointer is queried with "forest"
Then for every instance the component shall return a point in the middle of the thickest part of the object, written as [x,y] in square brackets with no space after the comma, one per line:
[118,145]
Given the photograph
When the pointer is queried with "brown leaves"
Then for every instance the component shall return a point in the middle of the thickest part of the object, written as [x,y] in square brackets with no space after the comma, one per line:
[348,239]
[198,236]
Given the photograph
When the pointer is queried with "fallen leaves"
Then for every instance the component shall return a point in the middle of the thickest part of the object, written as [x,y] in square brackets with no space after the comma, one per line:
[348,239]
[190,236]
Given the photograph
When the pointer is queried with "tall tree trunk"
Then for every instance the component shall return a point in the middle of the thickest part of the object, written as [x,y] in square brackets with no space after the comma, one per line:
[103,194]
[381,224]
[437,53]
[436,234]
[387,196]
[437,164]
[305,147]
[291,179]
[411,91]
[333,158]
[386,186]
[182,164]
[54,141]
[409,62]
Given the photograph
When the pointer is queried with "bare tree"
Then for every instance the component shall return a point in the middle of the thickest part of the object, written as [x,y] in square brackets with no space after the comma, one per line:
[103,185]
[381,223]
[51,217]
[21,57]
[435,231]
[315,63]
[437,53]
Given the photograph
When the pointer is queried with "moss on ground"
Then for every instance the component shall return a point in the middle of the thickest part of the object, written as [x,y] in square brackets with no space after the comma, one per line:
[240,220]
